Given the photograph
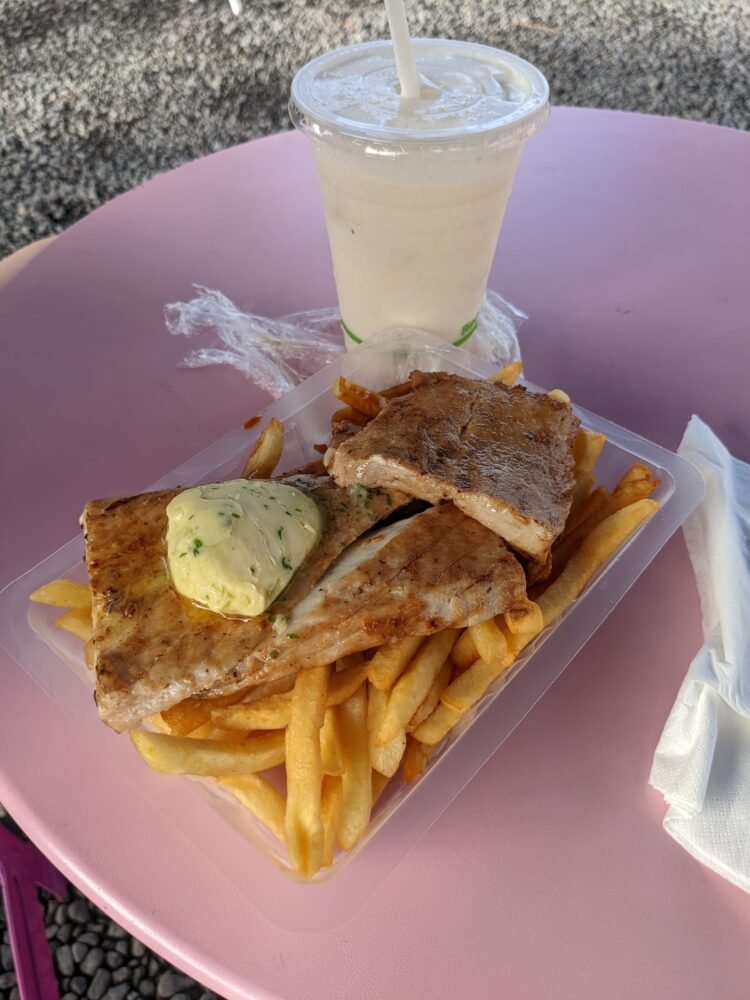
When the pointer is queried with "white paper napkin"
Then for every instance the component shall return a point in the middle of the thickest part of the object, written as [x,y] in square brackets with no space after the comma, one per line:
[702,762]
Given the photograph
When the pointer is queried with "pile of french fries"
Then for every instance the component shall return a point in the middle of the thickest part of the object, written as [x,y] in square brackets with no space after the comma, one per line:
[311,755]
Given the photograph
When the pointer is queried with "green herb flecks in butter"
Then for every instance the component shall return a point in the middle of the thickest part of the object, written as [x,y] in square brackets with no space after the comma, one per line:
[240,555]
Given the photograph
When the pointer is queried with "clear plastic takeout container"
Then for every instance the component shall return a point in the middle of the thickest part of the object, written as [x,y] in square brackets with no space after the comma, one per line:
[224,831]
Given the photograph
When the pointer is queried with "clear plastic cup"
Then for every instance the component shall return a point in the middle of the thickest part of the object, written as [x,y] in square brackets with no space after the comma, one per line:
[415,191]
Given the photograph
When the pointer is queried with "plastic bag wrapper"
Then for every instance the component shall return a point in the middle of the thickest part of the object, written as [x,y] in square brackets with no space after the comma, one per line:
[278,354]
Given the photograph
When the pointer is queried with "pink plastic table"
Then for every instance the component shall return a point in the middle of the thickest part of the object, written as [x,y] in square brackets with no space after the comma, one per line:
[627,241]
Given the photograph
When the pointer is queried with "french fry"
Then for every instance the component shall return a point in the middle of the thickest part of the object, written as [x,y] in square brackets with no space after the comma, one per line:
[432,697]
[356,780]
[272,712]
[464,652]
[434,728]
[331,754]
[258,795]
[379,783]
[491,644]
[415,759]
[508,375]
[265,456]
[385,759]
[524,617]
[411,688]
[346,415]
[468,687]
[595,501]
[345,682]
[330,808]
[208,731]
[209,758]
[64,594]
[390,661]
[394,391]
[191,713]
[560,395]
[266,688]
[586,450]
[632,487]
[603,541]
[304,774]
[358,397]
[78,622]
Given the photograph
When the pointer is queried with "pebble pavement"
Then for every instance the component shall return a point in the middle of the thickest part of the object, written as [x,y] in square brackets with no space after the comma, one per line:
[98,95]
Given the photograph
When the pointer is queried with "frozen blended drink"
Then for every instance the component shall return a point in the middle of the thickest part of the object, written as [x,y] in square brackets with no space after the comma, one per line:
[415,188]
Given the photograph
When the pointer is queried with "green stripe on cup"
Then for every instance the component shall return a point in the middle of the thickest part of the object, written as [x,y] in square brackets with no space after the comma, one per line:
[350,333]
[466,332]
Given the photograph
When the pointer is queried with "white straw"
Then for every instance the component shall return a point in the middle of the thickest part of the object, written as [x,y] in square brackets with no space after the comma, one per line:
[407,70]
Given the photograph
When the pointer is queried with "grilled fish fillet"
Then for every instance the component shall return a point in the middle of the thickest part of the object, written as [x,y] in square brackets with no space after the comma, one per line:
[502,455]
[151,647]
[437,570]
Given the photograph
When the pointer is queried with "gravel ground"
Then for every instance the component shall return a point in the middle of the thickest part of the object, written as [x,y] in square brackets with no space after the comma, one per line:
[98,95]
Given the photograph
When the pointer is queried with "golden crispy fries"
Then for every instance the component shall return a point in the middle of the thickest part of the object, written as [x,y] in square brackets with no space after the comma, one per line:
[594,502]
[379,784]
[209,758]
[330,808]
[468,687]
[78,622]
[464,652]
[385,759]
[508,375]
[265,456]
[258,795]
[345,682]
[208,731]
[433,729]
[491,643]
[158,723]
[595,550]
[432,697]
[63,594]
[358,397]
[356,780]
[412,687]
[523,618]
[272,712]
[560,395]
[266,688]
[390,661]
[346,415]
[191,713]
[394,391]
[415,759]
[252,422]
[632,487]
[331,754]
[304,772]
[586,450]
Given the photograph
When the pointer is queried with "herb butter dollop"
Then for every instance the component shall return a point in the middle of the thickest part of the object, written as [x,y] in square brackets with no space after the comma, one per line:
[233,547]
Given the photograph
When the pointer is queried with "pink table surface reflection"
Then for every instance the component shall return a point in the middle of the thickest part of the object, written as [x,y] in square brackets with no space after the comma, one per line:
[627,241]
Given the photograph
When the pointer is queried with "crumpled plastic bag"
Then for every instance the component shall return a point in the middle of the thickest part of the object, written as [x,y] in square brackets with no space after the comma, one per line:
[278,354]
